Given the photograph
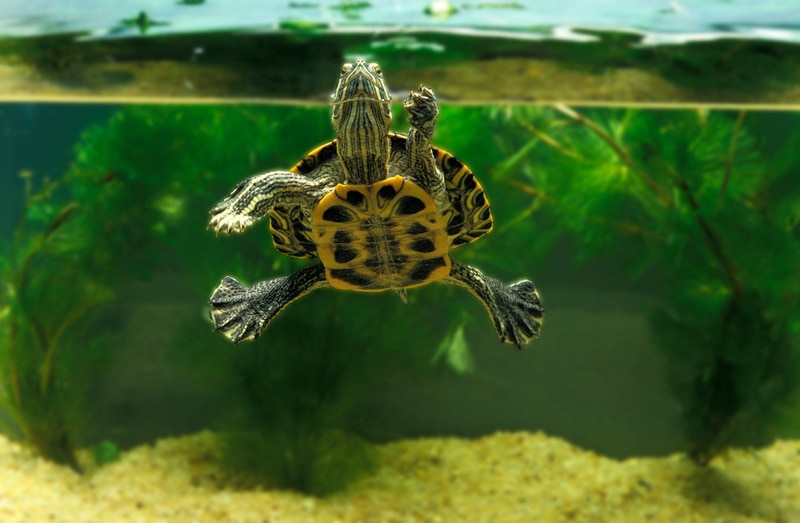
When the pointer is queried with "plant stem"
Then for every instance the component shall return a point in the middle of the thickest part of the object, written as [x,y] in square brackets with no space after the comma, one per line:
[619,150]
[627,227]
[731,153]
[77,312]
[713,240]
[548,140]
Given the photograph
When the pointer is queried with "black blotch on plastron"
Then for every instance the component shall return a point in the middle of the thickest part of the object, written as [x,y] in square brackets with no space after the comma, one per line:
[409,205]
[342,237]
[343,254]
[459,241]
[350,276]
[274,223]
[355,198]
[387,192]
[397,260]
[486,214]
[338,214]
[480,200]
[416,228]
[422,245]
[373,241]
[423,269]
[277,240]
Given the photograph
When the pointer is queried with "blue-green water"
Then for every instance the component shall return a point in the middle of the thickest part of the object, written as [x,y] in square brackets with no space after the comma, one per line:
[38,138]
[148,390]
[604,375]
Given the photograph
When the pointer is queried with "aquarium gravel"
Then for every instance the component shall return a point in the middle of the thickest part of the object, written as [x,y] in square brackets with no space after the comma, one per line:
[506,477]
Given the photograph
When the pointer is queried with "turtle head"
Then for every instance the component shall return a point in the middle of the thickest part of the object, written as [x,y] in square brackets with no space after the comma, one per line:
[361,115]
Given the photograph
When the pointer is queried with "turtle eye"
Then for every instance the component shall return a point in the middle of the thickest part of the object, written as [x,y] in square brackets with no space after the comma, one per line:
[346,68]
[375,68]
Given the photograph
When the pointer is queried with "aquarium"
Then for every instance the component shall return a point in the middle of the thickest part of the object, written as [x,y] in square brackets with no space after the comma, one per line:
[539,264]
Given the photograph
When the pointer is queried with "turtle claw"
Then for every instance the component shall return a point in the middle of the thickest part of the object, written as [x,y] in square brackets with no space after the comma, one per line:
[235,313]
[517,313]
[224,219]
[515,309]
[422,109]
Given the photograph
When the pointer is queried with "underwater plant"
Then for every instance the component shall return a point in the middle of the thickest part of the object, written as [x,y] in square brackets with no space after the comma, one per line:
[289,422]
[108,220]
[105,452]
[46,354]
[290,402]
[711,204]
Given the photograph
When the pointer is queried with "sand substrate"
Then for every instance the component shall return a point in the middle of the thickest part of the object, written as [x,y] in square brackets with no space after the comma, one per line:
[507,477]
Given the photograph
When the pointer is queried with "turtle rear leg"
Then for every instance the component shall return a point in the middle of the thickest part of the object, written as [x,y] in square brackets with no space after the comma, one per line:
[243,313]
[252,198]
[516,310]
[423,111]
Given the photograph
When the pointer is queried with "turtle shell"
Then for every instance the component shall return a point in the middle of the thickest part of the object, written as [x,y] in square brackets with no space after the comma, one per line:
[468,218]
[381,236]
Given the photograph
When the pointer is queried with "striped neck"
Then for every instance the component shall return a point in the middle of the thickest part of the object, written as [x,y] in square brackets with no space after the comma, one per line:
[361,115]
[362,144]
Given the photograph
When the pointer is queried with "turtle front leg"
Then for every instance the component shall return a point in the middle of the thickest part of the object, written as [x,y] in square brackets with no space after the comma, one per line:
[252,199]
[243,313]
[515,309]
[423,111]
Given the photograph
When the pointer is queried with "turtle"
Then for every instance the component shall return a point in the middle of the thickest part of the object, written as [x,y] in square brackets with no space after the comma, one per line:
[379,210]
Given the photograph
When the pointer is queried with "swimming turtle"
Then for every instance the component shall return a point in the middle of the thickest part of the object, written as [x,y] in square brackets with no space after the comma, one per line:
[379,210]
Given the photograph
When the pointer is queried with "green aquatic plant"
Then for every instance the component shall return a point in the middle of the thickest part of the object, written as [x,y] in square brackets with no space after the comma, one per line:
[108,220]
[142,22]
[291,400]
[79,238]
[46,299]
[708,202]
[351,9]
[288,424]
[105,452]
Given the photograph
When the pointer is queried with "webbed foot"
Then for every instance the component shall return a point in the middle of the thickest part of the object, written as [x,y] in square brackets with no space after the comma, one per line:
[517,313]
[516,309]
[243,313]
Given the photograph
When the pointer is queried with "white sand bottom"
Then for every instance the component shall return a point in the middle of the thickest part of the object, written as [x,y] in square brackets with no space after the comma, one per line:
[506,477]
